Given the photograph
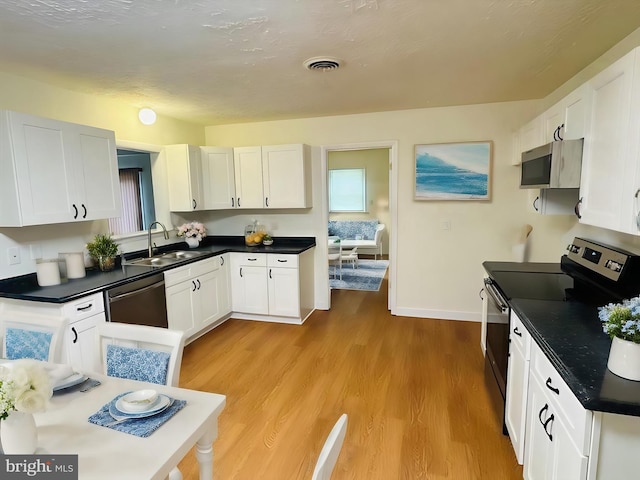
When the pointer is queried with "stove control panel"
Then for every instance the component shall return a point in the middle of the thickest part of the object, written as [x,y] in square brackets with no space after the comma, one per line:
[607,261]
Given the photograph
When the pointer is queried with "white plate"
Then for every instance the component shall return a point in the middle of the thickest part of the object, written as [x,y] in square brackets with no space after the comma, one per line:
[70,381]
[160,404]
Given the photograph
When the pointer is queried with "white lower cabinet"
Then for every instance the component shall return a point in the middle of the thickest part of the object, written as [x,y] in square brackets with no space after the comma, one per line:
[83,316]
[517,384]
[198,296]
[550,452]
[272,287]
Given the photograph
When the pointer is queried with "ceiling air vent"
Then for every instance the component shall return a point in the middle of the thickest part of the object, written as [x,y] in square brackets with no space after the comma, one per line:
[322,63]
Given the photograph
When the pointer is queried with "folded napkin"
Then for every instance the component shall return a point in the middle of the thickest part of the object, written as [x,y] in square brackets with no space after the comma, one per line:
[58,372]
[140,427]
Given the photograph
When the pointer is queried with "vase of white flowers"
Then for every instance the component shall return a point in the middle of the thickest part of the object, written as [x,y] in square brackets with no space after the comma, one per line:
[621,321]
[24,389]
[193,233]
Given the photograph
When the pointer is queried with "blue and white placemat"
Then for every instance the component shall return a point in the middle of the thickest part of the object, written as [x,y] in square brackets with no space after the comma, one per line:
[140,427]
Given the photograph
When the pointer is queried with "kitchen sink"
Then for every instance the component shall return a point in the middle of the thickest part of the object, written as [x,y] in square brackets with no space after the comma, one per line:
[164,259]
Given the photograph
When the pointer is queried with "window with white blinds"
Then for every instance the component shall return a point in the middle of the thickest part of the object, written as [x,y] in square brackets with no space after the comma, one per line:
[131,219]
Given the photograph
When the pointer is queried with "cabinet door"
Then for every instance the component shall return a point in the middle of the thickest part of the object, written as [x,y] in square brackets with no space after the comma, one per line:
[516,401]
[207,299]
[285,176]
[185,173]
[218,178]
[180,308]
[284,295]
[556,201]
[224,291]
[531,134]
[577,108]
[43,171]
[248,173]
[249,290]
[97,174]
[605,168]
[81,343]
[538,445]
[553,120]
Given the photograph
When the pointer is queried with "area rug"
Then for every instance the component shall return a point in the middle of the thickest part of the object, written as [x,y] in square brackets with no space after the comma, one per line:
[368,276]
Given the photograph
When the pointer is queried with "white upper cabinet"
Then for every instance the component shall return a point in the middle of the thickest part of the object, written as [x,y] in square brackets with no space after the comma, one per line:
[184,169]
[218,178]
[276,176]
[248,172]
[568,119]
[610,171]
[529,136]
[56,172]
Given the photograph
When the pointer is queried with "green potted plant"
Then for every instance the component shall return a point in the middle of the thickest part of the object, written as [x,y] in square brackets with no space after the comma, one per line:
[104,250]
[621,322]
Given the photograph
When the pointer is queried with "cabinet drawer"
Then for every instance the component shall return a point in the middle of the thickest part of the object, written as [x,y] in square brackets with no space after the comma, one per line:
[576,419]
[180,274]
[83,307]
[249,259]
[519,335]
[283,261]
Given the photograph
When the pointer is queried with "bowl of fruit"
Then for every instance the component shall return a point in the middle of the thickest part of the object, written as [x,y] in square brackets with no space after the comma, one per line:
[254,239]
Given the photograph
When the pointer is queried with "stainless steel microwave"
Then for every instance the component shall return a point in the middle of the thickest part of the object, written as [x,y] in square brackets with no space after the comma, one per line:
[554,165]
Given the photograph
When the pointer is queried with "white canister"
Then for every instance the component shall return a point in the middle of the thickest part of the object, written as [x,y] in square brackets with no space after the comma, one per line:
[75,264]
[47,271]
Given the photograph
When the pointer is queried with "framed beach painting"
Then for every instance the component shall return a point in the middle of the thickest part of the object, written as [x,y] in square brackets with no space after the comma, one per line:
[453,171]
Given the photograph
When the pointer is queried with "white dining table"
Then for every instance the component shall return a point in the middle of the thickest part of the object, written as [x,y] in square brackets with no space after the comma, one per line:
[105,453]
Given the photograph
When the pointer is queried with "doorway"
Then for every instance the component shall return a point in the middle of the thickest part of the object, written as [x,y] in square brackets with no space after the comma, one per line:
[387,207]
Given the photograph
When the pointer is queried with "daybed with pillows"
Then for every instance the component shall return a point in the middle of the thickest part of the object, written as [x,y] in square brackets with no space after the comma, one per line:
[364,234]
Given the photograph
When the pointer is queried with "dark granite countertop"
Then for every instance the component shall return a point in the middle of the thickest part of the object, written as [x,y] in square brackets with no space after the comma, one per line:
[26,287]
[571,336]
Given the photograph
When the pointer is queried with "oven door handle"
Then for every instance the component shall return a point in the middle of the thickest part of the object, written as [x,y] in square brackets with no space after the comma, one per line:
[495,296]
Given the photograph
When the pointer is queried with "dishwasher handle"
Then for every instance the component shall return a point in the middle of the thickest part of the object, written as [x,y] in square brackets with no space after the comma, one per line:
[496,296]
[122,296]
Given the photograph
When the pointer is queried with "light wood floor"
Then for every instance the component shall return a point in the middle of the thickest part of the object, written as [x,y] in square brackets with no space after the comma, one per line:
[413,389]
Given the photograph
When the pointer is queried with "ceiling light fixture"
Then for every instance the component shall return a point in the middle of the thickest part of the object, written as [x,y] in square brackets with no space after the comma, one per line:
[147,116]
[322,63]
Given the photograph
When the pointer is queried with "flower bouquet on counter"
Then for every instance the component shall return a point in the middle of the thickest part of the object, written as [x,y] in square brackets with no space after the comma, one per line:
[622,320]
[192,229]
[24,387]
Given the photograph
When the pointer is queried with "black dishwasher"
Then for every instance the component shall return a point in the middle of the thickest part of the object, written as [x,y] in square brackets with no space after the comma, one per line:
[141,302]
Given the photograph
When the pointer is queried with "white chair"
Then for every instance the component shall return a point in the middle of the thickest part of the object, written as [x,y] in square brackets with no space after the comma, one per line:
[335,258]
[351,256]
[331,449]
[26,335]
[140,352]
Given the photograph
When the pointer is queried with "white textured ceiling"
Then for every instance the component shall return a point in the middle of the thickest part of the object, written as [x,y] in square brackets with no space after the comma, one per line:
[229,61]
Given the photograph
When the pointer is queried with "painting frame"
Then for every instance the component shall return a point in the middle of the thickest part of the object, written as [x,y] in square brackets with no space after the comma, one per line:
[459,171]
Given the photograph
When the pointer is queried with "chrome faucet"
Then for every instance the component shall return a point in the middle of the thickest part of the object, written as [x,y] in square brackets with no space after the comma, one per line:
[166,236]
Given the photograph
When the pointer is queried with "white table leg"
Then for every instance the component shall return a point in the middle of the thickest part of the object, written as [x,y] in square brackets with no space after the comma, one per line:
[204,454]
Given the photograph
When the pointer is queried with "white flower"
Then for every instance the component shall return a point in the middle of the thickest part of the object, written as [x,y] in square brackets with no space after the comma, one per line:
[24,386]
[192,229]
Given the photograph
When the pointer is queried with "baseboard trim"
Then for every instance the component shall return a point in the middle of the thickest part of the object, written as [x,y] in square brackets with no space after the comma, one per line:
[438,314]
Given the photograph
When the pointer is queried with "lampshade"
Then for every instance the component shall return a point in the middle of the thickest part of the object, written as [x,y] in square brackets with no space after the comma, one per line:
[147,116]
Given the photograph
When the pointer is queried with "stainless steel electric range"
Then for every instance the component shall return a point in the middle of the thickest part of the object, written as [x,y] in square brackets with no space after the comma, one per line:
[591,273]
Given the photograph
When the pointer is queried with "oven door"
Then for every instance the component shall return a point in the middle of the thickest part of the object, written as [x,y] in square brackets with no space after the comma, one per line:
[497,346]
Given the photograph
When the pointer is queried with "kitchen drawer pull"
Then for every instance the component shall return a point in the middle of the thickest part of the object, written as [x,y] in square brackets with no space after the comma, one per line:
[194,204]
[221,261]
[199,285]
[75,335]
[480,294]
[85,308]
[270,274]
[266,201]
[252,259]
[75,211]
[238,201]
[194,286]
[517,332]
[283,261]
[233,202]
[535,204]
[240,272]
[84,209]
[576,209]
[551,387]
